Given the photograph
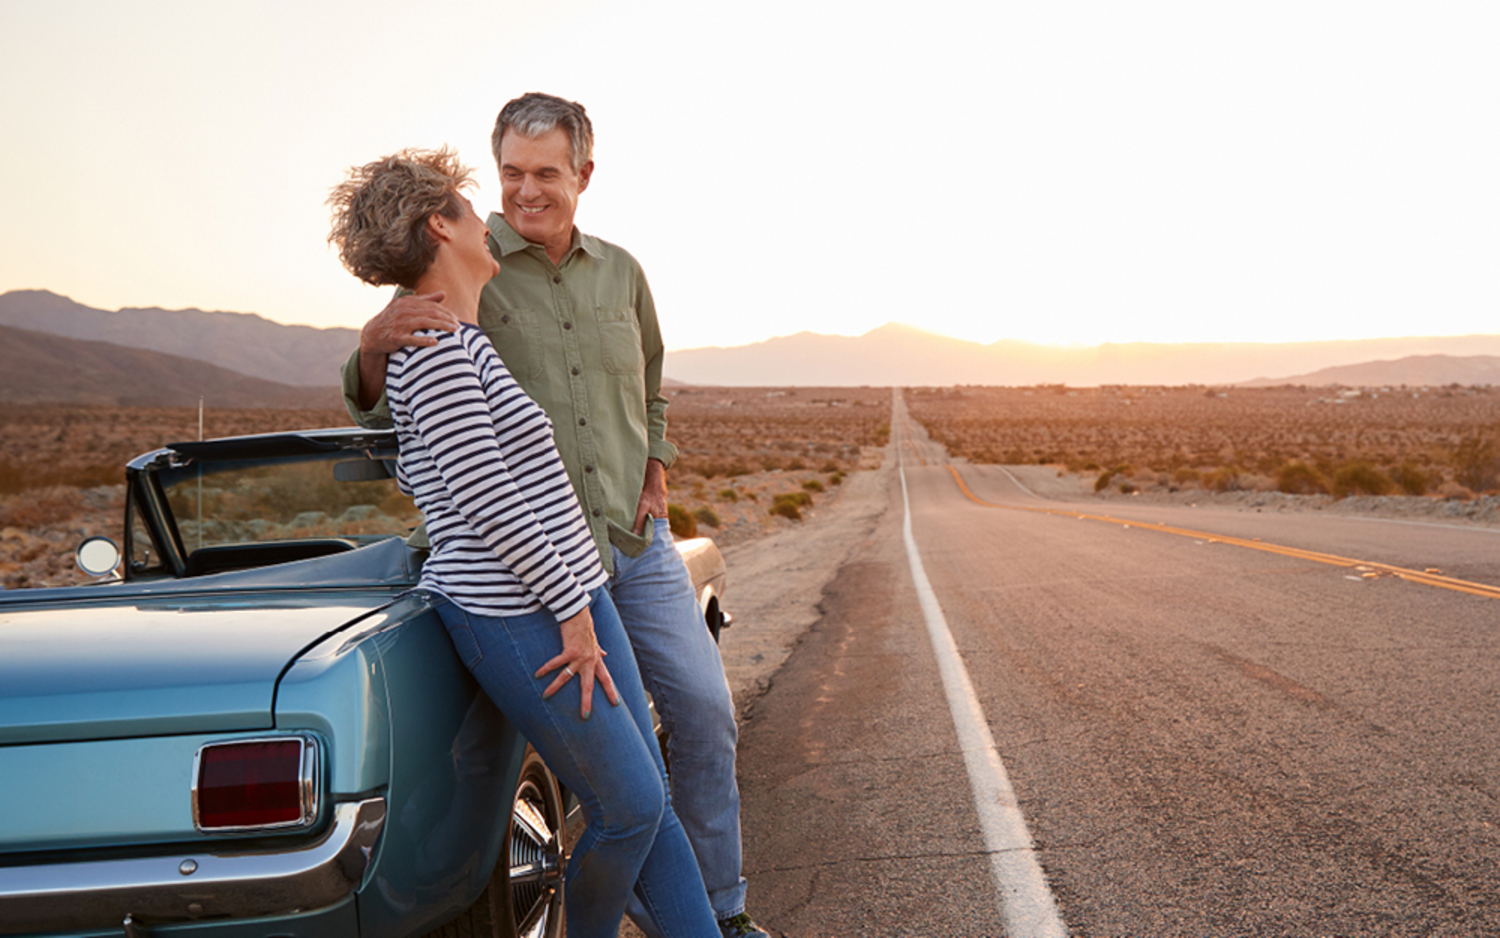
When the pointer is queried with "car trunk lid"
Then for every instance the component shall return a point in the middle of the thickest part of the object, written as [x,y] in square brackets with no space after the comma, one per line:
[158,666]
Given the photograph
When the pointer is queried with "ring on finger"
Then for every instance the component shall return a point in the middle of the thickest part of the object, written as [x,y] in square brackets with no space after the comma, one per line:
[569,669]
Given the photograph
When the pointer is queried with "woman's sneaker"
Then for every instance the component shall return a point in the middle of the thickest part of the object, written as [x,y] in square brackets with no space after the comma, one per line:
[741,926]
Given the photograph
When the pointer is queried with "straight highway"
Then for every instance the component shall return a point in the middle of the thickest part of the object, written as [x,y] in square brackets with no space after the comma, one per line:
[1212,722]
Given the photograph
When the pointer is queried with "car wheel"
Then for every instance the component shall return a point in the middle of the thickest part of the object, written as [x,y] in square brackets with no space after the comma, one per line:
[524,897]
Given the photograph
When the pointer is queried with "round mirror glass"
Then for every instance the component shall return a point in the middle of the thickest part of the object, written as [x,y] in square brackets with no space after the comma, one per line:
[98,556]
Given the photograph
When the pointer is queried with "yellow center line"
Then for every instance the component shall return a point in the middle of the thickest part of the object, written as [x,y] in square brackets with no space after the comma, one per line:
[1414,576]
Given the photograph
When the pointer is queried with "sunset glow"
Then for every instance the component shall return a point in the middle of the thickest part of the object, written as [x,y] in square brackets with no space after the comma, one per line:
[1058,173]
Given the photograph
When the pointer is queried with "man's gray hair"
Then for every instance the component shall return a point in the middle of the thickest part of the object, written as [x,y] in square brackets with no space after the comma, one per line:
[534,114]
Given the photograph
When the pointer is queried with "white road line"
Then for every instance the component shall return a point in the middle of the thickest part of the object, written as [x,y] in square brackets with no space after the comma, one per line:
[1026,902]
[1017,482]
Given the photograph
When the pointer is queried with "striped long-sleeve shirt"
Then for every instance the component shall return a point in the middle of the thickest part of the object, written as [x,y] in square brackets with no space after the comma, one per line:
[477,455]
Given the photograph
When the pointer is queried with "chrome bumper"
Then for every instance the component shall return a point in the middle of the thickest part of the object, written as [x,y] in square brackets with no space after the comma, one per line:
[190,886]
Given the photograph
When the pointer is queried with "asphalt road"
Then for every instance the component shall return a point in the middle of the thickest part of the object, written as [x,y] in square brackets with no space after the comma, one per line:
[1204,738]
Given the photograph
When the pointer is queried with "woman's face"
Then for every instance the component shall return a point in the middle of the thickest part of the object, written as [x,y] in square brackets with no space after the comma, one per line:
[471,240]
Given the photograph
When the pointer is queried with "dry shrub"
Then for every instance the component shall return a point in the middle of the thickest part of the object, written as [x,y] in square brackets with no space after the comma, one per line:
[1413,481]
[1105,477]
[40,507]
[1298,478]
[790,504]
[1476,464]
[1440,433]
[726,432]
[1360,478]
[681,521]
[786,510]
[706,515]
[1222,480]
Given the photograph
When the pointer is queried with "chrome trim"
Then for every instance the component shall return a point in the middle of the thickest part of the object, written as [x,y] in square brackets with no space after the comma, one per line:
[151,890]
[309,781]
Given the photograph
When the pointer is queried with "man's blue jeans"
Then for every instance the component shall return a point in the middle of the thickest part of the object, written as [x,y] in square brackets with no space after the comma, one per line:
[680,666]
[634,844]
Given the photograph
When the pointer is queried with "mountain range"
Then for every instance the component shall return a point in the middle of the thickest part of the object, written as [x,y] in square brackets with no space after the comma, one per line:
[1412,371]
[37,368]
[242,342]
[53,349]
[903,355]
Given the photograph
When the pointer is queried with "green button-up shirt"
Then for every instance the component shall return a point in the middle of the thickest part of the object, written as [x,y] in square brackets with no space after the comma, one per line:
[581,338]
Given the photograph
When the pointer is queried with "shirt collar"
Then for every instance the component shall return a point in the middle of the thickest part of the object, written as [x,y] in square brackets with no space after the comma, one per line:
[510,242]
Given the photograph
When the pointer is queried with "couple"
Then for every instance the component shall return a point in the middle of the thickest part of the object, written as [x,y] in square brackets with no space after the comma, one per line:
[500,451]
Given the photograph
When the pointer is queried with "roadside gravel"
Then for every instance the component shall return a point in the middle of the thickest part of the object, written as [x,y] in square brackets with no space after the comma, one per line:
[775,581]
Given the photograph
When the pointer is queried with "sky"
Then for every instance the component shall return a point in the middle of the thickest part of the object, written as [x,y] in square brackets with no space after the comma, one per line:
[1057,172]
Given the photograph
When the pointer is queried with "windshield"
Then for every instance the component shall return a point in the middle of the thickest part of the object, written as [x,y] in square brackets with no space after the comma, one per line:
[327,495]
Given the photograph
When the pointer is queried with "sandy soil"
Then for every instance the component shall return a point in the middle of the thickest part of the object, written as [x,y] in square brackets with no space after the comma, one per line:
[775,583]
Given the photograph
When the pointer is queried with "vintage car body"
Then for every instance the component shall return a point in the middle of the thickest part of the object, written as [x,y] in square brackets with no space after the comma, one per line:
[259,729]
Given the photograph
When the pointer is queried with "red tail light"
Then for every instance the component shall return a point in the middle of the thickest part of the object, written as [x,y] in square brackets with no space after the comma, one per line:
[252,784]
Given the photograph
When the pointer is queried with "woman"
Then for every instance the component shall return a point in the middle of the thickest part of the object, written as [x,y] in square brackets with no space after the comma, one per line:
[514,571]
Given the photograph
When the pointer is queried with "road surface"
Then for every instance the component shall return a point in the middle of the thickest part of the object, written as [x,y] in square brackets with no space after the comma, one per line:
[1213,722]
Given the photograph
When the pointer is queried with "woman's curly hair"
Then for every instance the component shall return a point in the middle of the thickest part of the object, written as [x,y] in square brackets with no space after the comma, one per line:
[380,213]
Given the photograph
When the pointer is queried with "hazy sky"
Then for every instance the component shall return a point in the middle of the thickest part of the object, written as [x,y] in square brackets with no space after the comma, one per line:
[1062,172]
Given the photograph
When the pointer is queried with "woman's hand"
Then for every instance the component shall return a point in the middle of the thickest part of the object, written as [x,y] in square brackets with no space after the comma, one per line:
[581,655]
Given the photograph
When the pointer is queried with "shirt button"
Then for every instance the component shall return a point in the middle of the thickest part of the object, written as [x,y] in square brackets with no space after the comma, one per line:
[567,325]
[575,369]
[557,279]
[582,422]
[588,468]
[597,512]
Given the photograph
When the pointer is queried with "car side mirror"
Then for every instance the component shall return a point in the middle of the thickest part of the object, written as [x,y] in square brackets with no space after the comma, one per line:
[98,556]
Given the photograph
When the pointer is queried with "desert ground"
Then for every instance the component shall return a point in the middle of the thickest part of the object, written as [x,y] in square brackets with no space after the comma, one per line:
[756,463]
[1442,441]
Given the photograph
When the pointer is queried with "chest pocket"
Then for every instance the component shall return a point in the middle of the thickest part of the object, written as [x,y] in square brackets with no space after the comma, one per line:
[516,335]
[620,341]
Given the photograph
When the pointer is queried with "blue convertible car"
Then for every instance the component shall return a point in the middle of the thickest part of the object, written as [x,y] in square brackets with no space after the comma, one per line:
[256,729]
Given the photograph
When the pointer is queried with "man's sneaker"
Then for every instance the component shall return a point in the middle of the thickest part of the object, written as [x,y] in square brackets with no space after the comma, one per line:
[741,926]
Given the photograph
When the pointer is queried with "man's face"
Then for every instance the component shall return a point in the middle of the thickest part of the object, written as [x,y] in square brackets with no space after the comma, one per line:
[539,187]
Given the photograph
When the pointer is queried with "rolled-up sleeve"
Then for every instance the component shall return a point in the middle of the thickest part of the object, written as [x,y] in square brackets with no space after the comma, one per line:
[377,417]
[653,352]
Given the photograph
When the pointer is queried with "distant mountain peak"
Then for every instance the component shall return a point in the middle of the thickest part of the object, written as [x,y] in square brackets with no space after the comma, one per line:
[243,342]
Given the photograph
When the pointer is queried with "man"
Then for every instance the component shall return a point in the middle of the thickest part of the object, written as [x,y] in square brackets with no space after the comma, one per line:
[573,319]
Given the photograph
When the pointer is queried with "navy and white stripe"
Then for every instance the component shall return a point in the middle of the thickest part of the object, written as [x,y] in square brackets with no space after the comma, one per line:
[477,455]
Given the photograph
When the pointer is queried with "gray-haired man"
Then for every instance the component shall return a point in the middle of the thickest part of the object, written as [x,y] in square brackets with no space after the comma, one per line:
[573,319]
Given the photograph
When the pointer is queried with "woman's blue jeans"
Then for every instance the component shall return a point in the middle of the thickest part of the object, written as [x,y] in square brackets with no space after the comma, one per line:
[610,761]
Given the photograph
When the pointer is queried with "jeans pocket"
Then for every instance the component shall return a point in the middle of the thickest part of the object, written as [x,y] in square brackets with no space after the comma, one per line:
[663,528]
[456,621]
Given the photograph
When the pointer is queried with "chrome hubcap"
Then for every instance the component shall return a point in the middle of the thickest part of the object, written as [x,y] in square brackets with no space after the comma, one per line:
[536,860]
